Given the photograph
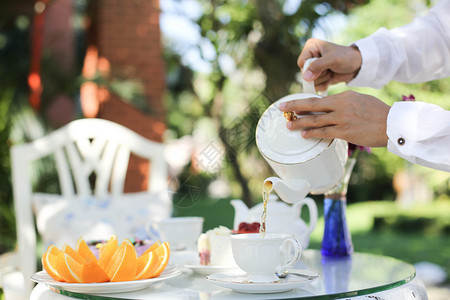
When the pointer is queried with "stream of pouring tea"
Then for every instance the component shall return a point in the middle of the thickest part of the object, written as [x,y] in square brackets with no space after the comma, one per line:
[267,188]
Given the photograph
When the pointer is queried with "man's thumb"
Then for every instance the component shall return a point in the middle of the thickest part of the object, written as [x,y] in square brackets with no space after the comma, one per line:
[315,68]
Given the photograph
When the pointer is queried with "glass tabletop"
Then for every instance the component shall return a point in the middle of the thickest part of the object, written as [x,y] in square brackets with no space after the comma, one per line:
[359,274]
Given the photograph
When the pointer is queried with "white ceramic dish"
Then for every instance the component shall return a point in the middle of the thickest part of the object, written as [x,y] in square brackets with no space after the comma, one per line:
[105,287]
[190,260]
[236,280]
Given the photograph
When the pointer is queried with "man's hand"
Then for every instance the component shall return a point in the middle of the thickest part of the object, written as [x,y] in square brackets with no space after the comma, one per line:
[357,118]
[334,63]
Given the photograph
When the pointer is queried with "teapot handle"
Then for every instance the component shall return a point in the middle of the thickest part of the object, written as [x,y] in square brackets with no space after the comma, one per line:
[308,86]
[313,213]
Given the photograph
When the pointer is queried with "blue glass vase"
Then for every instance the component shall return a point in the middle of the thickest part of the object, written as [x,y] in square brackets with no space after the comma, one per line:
[337,241]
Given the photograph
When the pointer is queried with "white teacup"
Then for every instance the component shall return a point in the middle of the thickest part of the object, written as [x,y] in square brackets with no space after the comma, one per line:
[261,257]
[181,232]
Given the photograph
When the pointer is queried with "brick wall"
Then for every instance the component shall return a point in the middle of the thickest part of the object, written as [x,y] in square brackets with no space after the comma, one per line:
[127,35]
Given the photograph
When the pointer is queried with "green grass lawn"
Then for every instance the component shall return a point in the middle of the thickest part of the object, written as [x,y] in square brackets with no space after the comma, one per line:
[411,246]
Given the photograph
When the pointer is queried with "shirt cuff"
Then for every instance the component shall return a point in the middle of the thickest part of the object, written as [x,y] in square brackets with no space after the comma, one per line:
[370,61]
[401,130]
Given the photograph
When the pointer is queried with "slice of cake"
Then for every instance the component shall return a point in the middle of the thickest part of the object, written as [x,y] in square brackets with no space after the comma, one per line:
[214,247]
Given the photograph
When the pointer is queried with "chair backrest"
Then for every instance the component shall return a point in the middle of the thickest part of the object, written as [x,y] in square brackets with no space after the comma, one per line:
[80,149]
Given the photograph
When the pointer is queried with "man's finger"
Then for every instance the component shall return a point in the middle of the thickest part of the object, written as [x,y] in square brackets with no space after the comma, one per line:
[313,121]
[299,113]
[309,104]
[310,50]
[322,87]
[323,132]
[317,68]
[325,77]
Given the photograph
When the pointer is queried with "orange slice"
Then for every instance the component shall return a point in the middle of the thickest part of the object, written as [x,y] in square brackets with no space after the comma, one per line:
[112,241]
[83,249]
[151,248]
[127,241]
[124,263]
[74,254]
[106,253]
[163,253]
[92,272]
[69,269]
[49,262]
[147,264]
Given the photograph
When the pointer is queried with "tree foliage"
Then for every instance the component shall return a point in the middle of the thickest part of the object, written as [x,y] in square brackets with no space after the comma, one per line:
[13,69]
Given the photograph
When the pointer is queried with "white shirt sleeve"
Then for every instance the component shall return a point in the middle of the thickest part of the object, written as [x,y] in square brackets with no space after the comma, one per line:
[417,52]
[420,133]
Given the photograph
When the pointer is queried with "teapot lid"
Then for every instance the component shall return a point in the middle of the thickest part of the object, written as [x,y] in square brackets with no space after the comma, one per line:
[280,144]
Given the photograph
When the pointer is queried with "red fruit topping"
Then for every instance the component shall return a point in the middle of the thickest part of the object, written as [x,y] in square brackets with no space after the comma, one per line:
[205,257]
[248,228]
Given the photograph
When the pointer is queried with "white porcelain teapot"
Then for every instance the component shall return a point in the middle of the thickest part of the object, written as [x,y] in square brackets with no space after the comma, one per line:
[312,165]
[281,217]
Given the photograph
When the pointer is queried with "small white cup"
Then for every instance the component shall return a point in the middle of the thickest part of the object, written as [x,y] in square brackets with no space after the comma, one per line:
[261,257]
[181,232]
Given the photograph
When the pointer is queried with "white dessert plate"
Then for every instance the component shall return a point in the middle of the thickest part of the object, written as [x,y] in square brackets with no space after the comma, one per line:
[105,287]
[207,270]
[182,258]
[236,280]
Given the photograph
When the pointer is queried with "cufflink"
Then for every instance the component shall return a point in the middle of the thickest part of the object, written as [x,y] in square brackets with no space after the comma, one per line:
[401,141]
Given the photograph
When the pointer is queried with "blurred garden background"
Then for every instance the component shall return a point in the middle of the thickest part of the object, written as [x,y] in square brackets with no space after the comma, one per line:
[222,64]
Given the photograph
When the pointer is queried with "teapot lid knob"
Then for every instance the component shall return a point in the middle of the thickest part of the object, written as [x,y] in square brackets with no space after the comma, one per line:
[289,115]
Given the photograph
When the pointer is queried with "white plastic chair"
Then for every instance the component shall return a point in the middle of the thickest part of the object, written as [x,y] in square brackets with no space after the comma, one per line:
[81,148]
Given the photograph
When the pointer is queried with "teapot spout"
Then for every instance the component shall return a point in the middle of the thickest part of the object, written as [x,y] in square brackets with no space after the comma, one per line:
[241,212]
[295,191]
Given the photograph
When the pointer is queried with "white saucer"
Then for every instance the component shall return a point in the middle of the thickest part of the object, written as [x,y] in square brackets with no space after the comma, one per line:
[236,280]
[207,270]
